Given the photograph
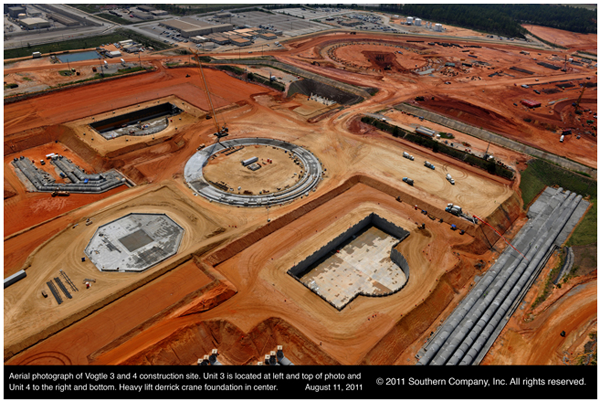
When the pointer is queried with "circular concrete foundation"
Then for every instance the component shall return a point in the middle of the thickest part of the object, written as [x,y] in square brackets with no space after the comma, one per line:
[311,168]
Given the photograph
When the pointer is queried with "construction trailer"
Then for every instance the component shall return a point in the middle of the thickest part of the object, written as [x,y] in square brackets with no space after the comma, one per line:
[425,131]
[250,161]
[530,103]
[14,278]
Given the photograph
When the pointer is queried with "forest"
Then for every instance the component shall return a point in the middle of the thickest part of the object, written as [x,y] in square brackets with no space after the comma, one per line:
[499,19]
[502,19]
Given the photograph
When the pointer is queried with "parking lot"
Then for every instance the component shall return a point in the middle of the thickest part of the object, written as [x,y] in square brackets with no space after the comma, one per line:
[289,25]
[320,13]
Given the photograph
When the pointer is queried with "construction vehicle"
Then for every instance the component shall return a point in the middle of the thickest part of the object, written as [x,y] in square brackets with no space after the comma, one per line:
[220,131]
[408,181]
[453,209]
[61,193]
[449,178]
[429,165]
[408,156]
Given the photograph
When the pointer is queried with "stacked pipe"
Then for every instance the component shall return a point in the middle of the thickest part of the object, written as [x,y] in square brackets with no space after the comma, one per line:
[462,339]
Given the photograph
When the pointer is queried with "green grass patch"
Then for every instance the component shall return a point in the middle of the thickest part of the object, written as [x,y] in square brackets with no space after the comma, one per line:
[587,231]
[65,73]
[88,8]
[232,69]
[446,135]
[98,76]
[116,19]
[58,47]
[85,43]
[540,173]
[27,79]
[11,86]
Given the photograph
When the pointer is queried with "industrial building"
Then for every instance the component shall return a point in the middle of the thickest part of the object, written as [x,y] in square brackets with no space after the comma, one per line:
[437,27]
[418,22]
[34,23]
[218,39]
[112,54]
[198,39]
[14,12]
[158,13]
[146,8]
[239,41]
[143,15]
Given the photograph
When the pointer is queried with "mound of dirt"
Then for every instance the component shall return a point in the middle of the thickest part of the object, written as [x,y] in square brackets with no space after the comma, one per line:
[188,344]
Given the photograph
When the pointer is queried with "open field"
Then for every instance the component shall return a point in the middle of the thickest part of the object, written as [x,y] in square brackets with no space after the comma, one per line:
[571,40]
[228,286]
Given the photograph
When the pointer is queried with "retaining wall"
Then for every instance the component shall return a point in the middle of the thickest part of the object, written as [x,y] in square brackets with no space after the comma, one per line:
[298,71]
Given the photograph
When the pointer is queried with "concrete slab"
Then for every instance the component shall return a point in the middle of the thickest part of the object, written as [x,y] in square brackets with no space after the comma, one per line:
[363,266]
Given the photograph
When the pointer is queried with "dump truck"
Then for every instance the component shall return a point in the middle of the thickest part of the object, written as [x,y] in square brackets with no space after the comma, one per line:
[408,156]
[429,165]
[408,181]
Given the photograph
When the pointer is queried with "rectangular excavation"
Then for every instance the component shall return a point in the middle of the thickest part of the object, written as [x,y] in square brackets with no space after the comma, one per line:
[360,261]
[149,120]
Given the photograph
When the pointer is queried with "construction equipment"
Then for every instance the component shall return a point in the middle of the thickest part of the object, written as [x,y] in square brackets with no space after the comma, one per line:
[577,108]
[220,131]
[61,193]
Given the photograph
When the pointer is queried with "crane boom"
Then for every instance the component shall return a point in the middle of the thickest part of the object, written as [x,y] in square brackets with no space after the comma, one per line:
[580,96]
[221,131]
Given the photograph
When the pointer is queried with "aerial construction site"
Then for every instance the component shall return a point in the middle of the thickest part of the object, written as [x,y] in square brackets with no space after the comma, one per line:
[341,194]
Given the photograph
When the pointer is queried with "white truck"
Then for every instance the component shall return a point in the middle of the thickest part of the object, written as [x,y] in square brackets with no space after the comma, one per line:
[408,156]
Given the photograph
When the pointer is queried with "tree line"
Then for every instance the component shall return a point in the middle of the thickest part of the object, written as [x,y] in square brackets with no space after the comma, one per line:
[499,19]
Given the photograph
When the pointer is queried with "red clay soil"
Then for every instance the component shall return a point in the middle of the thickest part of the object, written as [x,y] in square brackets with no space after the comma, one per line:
[572,309]
[235,346]
[76,103]
[572,40]
[33,208]
[535,132]
[9,190]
